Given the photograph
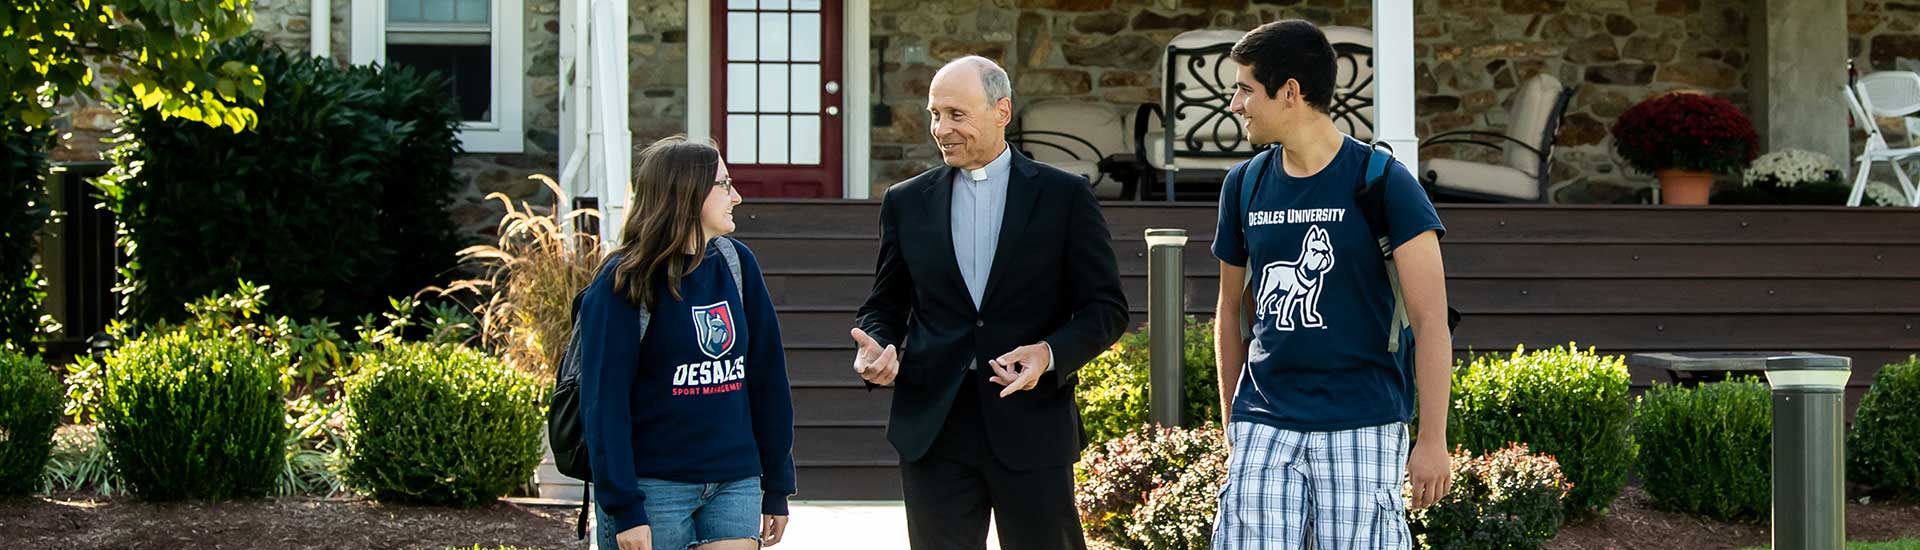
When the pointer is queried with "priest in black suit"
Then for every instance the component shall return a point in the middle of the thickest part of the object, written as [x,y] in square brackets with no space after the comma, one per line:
[996,281]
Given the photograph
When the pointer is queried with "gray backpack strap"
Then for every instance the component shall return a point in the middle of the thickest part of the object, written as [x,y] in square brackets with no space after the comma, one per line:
[733,265]
[1400,320]
[1369,198]
[645,316]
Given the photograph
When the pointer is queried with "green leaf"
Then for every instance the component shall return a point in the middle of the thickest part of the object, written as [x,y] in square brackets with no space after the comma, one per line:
[254,88]
[34,116]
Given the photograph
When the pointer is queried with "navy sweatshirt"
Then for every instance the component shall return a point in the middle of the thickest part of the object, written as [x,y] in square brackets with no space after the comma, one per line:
[702,397]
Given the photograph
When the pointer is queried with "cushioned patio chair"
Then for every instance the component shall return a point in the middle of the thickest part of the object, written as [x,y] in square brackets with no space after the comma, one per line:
[1527,144]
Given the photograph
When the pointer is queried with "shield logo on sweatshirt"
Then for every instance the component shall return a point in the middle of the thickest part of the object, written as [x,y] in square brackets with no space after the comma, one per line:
[713,327]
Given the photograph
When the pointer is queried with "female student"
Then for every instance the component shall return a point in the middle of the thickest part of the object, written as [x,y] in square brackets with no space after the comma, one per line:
[689,417]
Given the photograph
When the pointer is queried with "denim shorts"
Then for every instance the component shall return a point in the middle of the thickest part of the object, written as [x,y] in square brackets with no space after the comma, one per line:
[691,514]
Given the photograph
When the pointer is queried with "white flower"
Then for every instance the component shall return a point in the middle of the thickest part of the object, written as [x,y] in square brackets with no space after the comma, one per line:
[1792,167]
[1885,194]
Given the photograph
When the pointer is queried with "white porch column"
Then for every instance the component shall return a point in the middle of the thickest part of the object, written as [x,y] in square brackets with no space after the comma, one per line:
[1393,86]
[320,23]
[858,98]
[575,102]
[611,140]
[699,62]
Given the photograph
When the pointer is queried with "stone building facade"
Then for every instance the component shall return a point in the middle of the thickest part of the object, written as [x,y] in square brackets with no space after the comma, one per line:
[1471,56]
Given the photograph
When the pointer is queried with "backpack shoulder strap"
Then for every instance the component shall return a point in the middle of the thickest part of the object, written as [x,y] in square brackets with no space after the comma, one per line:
[1377,163]
[1249,180]
[1370,195]
[1250,176]
[732,255]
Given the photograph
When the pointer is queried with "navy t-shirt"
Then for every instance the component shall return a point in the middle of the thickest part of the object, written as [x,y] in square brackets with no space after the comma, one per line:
[1318,359]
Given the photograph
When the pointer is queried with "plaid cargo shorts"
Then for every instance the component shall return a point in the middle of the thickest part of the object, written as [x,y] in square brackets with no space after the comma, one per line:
[1339,490]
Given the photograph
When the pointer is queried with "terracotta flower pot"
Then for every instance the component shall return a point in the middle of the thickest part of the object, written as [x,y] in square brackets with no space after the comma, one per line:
[1688,187]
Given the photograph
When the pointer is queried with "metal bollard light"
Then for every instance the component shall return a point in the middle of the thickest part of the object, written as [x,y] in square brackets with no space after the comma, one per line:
[1166,322]
[1809,512]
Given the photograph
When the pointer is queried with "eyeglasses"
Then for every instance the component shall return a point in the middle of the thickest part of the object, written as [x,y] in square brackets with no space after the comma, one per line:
[724,182]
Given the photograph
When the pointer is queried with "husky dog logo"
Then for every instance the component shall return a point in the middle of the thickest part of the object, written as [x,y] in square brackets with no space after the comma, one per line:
[713,327]
[1289,287]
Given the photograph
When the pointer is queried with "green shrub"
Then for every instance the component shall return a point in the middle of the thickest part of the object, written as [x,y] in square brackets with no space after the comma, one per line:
[1562,402]
[1116,478]
[1179,515]
[316,352]
[23,210]
[1113,386]
[29,412]
[440,424]
[1884,448]
[1708,450]
[1507,499]
[337,198]
[194,415]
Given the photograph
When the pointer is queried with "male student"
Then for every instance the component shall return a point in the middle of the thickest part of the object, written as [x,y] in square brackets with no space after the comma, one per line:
[1317,403]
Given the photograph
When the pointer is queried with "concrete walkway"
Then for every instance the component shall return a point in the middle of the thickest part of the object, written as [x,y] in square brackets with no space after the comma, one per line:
[851,525]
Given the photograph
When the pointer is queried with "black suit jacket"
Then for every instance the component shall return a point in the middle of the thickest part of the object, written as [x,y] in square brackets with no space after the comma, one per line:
[1053,279]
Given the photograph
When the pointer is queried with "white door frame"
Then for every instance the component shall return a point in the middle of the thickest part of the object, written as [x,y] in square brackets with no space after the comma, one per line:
[855,80]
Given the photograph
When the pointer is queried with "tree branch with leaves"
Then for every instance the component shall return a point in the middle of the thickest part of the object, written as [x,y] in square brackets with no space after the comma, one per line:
[53,49]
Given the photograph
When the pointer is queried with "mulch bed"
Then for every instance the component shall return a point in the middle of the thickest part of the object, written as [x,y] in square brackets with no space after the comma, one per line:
[86,521]
[1634,523]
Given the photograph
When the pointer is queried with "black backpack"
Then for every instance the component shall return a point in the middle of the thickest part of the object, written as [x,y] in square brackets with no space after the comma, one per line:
[566,431]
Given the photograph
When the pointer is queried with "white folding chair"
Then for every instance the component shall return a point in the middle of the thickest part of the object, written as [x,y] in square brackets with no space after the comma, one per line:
[1883,94]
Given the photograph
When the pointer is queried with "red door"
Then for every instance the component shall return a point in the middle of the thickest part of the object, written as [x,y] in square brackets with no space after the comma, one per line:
[776,96]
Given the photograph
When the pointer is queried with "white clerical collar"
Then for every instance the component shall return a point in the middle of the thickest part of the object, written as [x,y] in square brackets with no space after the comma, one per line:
[998,164]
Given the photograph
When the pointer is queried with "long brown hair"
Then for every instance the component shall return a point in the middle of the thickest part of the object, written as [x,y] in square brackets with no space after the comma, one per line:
[671,180]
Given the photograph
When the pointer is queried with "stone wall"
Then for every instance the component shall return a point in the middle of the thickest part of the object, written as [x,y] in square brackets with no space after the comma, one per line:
[1098,51]
[1473,54]
[657,70]
[289,23]
[508,173]
[1879,32]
